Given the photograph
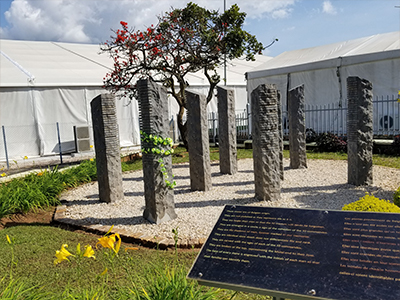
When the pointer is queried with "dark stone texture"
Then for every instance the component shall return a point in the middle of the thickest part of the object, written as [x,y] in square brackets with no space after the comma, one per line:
[199,147]
[297,128]
[107,148]
[227,131]
[280,128]
[266,144]
[303,253]
[153,107]
[359,131]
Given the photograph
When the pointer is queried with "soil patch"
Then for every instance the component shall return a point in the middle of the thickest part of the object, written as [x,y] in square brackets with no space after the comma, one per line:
[40,216]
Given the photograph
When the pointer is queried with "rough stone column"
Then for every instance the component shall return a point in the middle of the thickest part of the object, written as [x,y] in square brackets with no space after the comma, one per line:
[199,146]
[297,128]
[227,131]
[359,131]
[266,147]
[280,128]
[107,147]
[159,198]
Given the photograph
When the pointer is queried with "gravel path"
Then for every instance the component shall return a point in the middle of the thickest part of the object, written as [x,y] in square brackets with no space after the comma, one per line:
[322,185]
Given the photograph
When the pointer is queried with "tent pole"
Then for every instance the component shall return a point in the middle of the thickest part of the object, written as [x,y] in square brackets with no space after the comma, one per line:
[59,143]
[5,147]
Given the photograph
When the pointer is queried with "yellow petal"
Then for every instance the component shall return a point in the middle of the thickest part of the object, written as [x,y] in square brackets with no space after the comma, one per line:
[64,251]
[118,244]
[60,257]
[8,239]
[109,230]
[89,252]
[104,272]
[131,248]
[107,242]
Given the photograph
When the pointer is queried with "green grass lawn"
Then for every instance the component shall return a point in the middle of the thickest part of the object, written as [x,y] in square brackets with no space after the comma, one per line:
[27,270]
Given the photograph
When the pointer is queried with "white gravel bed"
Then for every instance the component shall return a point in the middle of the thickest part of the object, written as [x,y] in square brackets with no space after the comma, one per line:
[323,185]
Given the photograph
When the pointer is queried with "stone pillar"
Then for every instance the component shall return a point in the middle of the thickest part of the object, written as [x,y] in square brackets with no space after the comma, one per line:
[359,131]
[107,147]
[199,146]
[227,131]
[153,107]
[297,128]
[266,147]
[280,129]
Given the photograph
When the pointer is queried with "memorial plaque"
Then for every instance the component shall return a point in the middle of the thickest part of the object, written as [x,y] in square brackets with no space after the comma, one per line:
[303,254]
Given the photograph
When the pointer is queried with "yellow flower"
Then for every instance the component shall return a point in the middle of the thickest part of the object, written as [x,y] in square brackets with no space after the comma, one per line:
[91,159]
[109,241]
[3,174]
[62,254]
[25,157]
[89,252]
[40,174]
[8,239]
[91,146]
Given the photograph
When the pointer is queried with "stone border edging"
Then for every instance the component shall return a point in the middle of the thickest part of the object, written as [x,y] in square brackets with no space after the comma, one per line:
[136,237]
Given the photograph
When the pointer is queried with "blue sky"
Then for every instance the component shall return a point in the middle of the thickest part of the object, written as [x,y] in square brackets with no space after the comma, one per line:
[296,23]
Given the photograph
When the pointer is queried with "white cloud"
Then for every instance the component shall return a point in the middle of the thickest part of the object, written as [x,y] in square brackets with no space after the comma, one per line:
[90,21]
[328,8]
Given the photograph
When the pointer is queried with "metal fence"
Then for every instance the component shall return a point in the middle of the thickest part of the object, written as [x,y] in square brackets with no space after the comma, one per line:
[323,118]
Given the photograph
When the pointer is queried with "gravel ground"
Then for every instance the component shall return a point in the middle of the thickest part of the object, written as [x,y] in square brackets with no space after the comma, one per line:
[323,185]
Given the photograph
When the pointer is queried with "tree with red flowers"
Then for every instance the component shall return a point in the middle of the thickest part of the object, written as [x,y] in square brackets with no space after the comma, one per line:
[183,41]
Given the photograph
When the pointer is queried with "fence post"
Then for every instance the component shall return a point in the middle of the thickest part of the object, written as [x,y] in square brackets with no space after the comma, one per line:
[248,120]
[213,127]
[59,143]
[5,147]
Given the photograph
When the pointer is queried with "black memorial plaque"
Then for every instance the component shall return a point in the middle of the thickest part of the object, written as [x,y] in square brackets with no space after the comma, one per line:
[303,254]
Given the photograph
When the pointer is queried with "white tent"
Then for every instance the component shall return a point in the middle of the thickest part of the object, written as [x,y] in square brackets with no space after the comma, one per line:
[45,83]
[324,69]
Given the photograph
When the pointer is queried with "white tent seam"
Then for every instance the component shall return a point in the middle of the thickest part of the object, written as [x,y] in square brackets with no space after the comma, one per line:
[80,55]
[31,77]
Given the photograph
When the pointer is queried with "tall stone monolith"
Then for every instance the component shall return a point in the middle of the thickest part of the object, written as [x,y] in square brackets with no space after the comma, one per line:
[107,148]
[280,129]
[359,131]
[266,146]
[297,128]
[153,107]
[227,131]
[199,146]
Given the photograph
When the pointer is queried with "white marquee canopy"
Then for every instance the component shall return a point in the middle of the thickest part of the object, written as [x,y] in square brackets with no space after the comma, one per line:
[42,83]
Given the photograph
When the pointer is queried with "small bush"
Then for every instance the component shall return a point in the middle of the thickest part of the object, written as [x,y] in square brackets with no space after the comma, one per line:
[371,203]
[329,142]
[396,197]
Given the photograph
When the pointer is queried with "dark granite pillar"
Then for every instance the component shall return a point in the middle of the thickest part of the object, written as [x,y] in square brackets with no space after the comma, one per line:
[266,147]
[159,198]
[297,128]
[107,147]
[280,129]
[227,131]
[199,147]
[359,131]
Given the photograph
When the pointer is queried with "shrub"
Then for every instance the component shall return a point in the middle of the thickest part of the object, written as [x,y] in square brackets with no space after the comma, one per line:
[329,142]
[396,197]
[371,203]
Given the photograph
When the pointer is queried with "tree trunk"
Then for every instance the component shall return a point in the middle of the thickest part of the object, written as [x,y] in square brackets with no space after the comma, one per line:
[182,127]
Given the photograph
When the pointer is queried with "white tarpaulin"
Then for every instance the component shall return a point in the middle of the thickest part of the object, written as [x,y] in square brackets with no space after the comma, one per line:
[45,83]
[324,69]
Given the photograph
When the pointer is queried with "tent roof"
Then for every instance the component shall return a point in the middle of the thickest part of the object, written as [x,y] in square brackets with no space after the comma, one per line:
[376,47]
[44,64]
